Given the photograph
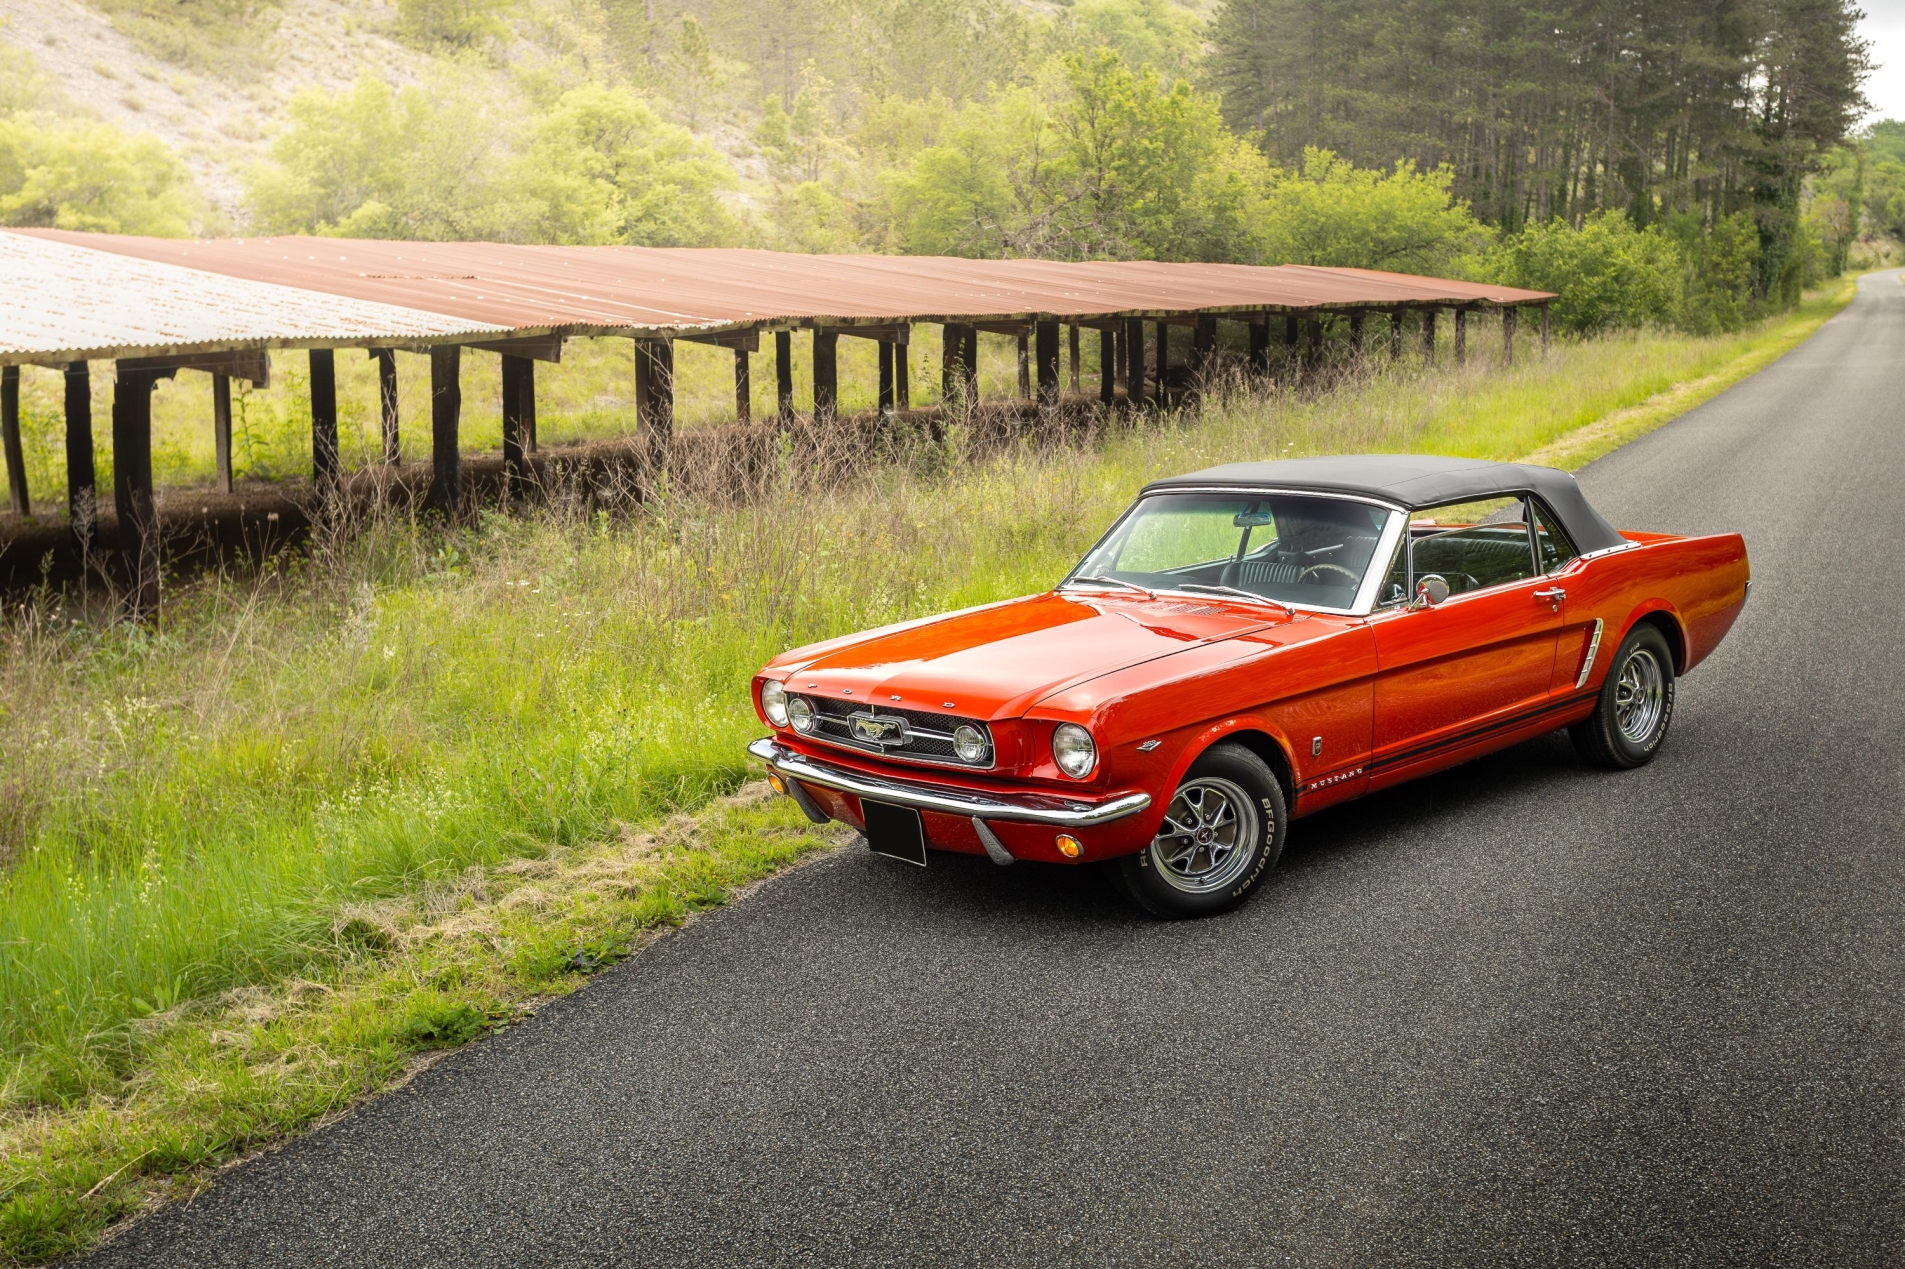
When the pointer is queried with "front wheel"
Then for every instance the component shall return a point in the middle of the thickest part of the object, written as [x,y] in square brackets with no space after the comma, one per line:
[1222,831]
[1636,706]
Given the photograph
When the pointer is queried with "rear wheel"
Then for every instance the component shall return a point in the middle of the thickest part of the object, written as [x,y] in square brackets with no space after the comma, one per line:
[1222,831]
[1636,706]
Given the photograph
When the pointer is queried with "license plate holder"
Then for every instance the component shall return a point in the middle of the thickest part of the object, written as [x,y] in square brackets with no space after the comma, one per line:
[895,831]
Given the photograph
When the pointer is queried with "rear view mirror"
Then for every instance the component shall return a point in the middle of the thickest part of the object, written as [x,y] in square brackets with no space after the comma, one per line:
[1430,591]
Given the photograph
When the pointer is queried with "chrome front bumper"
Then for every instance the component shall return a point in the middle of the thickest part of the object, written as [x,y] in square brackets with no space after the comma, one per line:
[1022,808]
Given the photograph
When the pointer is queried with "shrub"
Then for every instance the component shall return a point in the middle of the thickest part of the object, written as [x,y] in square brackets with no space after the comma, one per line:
[91,176]
[1607,273]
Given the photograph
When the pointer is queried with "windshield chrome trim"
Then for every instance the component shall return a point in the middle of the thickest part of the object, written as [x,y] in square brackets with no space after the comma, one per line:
[1365,593]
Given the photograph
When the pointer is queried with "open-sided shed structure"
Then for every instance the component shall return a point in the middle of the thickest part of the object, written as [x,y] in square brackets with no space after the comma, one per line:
[156,306]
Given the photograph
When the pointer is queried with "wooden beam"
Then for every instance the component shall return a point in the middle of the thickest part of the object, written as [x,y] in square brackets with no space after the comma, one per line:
[519,386]
[222,432]
[250,364]
[1107,365]
[894,333]
[748,340]
[1046,338]
[386,359]
[1461,336]
[132,486]
[655,387]
[10,440]
[826,375]
[743,387]
[446,413]
[784,375]
[538,347]
[1509,315]
[82,496]
[324,468]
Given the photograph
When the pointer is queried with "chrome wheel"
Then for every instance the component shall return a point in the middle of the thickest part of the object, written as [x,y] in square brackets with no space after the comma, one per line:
[1639,696]
[1208,837]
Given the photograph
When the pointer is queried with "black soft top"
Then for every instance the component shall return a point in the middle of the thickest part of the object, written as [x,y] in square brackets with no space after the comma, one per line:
[1413,481]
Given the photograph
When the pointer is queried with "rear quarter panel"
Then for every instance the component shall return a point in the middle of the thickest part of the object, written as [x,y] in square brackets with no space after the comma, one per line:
[1699,583]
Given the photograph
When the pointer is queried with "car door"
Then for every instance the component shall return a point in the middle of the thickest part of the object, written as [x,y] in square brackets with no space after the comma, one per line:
[1453,675]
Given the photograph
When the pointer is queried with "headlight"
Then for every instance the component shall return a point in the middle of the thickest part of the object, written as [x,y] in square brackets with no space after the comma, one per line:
[800,713]
[1074,751]
[774,703]
[969,743]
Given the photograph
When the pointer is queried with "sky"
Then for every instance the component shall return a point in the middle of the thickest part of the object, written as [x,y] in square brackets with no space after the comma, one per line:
[1884,25]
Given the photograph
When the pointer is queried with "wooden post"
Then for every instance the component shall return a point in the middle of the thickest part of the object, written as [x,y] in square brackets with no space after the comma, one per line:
[1107,365]
[784,376]
[969,358]
[1203,352]
[1313,355]
[1461,336]
[1046,336]
[222,431]
[951,339]
[82,497]
[324,474]
[1292,359]
[1356,333]
[1162,333]
[386,359]
[1260,347]
[529,408]
[1074,350]
[1509,315]
[10,440]
[826,375]
[1025,364]
[1544,328]
[1134,361]
[1395,334]
[655,387]
[743,387]
[132,486]
[518,379]
[446,415]
[903,374]
[887,396]
[1428,337]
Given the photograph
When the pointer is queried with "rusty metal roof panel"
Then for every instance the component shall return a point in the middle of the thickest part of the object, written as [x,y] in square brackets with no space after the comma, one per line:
[581,290]
[66,303]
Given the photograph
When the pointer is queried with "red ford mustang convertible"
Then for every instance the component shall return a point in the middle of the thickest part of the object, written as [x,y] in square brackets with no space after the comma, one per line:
[1247,645]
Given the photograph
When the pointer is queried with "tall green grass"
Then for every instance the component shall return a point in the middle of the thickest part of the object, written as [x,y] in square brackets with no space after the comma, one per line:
[186,807]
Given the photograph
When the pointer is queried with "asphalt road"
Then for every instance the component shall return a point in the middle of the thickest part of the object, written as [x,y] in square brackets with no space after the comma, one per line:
[1523,1013]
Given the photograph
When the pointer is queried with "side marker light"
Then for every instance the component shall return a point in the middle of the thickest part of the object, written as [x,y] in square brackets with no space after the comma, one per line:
[1068,846]
[775,782]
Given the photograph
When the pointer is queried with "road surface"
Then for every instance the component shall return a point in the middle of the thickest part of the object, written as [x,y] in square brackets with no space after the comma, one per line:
[1523,1013]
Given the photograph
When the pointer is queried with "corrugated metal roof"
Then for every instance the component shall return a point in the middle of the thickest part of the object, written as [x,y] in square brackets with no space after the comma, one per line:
[66,303]
[633,290]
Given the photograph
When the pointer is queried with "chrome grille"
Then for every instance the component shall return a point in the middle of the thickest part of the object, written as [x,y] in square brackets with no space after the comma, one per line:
[928,735]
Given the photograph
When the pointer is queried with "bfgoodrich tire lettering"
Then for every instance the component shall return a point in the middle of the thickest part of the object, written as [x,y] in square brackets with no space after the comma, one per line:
[1222,830]
[1635,708]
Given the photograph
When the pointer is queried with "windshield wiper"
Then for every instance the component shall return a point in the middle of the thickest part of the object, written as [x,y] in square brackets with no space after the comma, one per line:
[1109,581]
[1241,594]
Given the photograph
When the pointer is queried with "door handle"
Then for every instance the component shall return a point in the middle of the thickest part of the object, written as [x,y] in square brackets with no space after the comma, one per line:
[1552,596]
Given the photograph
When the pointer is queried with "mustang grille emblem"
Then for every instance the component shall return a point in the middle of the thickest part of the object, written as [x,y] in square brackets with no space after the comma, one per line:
[878,729]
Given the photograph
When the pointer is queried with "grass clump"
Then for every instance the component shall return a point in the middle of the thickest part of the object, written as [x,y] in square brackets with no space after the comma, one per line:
[261,854]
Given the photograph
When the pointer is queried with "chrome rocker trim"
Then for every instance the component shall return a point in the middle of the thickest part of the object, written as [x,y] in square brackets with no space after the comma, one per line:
[1027,809]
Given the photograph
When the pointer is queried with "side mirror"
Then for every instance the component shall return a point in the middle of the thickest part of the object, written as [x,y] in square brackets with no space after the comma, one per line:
[1430,591]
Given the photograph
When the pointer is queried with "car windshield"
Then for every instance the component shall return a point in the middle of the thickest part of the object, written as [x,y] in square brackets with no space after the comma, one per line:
[1291,548]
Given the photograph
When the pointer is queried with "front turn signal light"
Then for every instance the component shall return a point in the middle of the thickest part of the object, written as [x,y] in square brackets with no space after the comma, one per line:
[775,782]
[1069,847]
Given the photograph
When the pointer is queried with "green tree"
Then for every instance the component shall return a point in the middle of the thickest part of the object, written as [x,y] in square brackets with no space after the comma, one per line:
[450,23]
[602,167]
[1606,274]
[1157,35]
[692,69]
[91,176]
[1330,212]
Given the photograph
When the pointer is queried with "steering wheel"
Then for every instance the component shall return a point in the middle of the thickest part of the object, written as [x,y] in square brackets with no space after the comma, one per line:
[1304,576]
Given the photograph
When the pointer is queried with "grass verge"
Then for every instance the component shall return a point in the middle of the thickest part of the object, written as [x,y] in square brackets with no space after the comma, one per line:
[319,821]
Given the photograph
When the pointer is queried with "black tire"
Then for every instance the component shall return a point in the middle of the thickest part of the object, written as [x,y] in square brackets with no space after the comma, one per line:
[1165,878]
[1635,709]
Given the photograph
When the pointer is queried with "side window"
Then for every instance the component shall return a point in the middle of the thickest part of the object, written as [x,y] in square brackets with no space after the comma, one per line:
[1474,545]
[1395,583]
[1552,546]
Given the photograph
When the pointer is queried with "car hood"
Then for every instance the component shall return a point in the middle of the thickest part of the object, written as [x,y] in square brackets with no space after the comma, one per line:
[997,661]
